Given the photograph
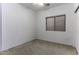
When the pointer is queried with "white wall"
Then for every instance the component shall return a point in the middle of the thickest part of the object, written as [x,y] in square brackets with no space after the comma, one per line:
[18,25]
[67,37]
[0,28]
[77,28]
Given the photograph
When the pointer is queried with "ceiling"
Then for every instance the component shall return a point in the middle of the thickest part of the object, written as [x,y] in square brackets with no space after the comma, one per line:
[36,8]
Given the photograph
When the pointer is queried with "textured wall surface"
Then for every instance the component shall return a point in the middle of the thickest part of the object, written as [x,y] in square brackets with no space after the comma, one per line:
[66,37]
[18,25]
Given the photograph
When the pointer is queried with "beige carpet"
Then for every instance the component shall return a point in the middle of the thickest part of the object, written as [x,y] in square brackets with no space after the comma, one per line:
[40,47]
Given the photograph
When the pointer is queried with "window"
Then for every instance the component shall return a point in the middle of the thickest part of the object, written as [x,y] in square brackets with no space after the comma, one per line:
[55,23]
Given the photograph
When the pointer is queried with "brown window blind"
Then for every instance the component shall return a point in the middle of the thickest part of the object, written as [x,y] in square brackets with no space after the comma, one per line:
[60,23]
[50,24]
[55,23]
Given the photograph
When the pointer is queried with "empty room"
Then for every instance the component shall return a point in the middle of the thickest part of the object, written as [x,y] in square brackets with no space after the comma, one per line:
[39,28]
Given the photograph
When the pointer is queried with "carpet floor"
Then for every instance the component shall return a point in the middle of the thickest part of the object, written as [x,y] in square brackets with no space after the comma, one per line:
[40,47]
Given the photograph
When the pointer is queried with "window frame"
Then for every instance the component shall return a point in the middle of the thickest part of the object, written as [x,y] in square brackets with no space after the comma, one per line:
[55,22]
